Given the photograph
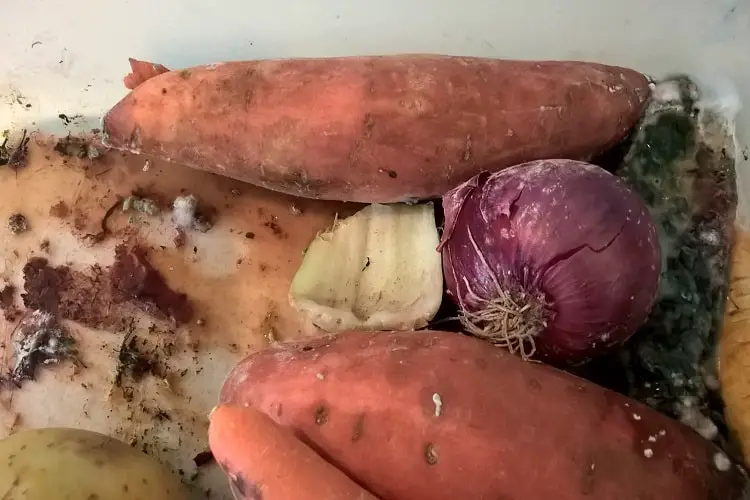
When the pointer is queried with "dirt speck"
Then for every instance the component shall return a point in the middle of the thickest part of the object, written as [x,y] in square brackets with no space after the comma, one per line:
[18,223]
[275,228]
[268,326]
[133,362]
[59,210]
[7,303]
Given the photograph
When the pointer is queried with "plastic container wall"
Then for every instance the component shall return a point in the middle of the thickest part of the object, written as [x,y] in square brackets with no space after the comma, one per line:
[63,62]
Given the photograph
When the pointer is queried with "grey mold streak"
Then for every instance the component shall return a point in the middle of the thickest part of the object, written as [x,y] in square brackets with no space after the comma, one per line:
[682,162]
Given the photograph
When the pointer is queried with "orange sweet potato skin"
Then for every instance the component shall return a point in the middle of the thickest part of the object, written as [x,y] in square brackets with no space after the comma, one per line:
[434,415]
[375,129]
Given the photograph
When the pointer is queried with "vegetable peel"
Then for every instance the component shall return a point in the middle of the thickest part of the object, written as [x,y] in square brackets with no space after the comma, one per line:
[375,270]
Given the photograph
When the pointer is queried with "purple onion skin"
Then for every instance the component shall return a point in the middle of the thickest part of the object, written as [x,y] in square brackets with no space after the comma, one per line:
[566,229]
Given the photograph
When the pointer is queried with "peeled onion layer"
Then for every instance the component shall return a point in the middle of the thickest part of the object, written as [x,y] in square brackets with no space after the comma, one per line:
[375,270]
[555,259]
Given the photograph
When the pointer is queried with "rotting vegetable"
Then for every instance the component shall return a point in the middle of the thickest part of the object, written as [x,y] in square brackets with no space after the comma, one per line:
[375,270]
[39,340]
[556,259]
[437,415]
[375,129]
[682,162]
[264,460]
[60,463]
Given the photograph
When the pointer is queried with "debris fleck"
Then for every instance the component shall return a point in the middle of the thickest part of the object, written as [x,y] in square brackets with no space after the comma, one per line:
[18,223]
[76,147]
[146,166]
[15,156]
[186,214]
[40,340]
[132,362]
[145,206]
[180,238]
[295,210]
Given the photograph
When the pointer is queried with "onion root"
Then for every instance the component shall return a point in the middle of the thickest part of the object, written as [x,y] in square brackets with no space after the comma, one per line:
[510,322]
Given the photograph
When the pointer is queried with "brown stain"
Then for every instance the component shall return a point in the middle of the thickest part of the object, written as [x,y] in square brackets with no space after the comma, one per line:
[60,210]
[237,304]
[136,278]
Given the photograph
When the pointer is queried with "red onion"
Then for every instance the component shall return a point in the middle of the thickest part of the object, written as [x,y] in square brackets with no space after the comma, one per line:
[557,259]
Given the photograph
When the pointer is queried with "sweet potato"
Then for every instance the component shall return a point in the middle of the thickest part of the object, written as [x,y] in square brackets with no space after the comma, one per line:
[264,460]
[374,129]
[436,415]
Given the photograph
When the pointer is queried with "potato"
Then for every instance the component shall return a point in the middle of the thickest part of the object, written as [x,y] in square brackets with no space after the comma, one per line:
[439,416]
[62,464]
[377,129]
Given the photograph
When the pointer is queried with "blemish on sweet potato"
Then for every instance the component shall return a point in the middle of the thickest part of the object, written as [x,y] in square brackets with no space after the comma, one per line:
[359,428]
[431,454]
[534,384]
[587,479]
[321,415]
[369,123]
[467,149]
